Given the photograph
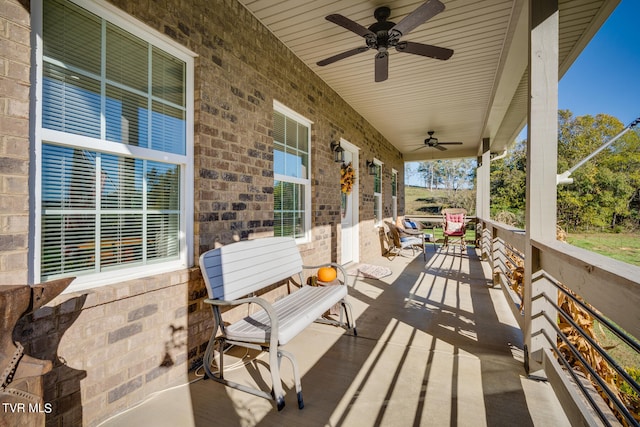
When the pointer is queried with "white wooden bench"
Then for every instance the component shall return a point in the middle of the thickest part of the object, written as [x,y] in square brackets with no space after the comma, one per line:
[233,273]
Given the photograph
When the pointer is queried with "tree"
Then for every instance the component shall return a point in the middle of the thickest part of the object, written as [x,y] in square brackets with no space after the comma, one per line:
[508,182]
[605,193]
[604,188]
[447,174]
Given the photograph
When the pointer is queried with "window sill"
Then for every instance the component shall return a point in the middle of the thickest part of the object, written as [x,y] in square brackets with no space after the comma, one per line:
[92,281]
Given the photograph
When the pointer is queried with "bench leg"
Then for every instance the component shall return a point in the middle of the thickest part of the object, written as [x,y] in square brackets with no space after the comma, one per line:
[276,382]
[346,307]
[296,375]
[209,356]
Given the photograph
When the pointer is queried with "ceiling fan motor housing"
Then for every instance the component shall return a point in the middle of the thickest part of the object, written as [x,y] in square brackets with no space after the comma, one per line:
[382,41]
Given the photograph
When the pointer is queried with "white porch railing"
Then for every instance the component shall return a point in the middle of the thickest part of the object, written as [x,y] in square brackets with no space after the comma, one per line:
[611,291]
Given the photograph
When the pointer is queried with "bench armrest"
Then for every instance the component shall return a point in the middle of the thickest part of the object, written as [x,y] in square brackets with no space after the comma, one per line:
[266,306]
[331,264]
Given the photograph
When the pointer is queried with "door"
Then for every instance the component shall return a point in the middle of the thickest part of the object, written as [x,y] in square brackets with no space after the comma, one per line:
[349,209]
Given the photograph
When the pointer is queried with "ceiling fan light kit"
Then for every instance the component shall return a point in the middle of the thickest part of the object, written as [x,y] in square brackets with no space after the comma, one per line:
[383,35]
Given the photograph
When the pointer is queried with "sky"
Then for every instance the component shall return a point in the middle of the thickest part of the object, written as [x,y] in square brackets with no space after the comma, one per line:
[605,78]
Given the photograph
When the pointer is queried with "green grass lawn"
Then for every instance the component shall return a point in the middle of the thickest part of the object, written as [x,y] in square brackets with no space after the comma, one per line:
[623,247]
[617,349]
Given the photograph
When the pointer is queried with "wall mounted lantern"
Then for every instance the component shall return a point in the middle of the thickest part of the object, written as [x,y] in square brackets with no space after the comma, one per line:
[371,167]
[338,152]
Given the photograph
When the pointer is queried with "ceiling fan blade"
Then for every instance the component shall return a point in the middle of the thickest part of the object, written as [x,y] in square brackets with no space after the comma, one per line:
[382,66]
[449,143]
[438,147]
[425,50]
[350,25]
[420,148]
[422,14]
[342,55]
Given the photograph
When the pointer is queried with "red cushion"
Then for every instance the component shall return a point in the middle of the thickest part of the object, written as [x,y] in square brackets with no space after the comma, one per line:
[455,218]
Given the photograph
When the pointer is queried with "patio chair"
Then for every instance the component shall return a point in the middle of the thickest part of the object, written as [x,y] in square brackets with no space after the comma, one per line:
[410,227]
[402,240]
[454,226]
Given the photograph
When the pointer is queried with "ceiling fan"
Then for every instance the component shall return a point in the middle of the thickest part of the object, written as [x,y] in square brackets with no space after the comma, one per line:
[432,142]
[384,34]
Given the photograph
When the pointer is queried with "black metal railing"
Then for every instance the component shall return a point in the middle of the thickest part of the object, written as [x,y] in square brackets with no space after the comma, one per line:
[597,378]
[504,247]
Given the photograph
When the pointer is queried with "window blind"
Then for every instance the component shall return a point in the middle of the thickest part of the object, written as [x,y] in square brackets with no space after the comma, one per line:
[291,171]
[289,209]
[102,210]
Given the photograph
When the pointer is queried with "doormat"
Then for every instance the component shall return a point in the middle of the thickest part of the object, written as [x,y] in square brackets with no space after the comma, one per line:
[370,271]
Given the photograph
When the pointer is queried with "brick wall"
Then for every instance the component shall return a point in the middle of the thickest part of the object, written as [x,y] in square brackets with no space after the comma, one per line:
[15,55]
[241,69]
[111,346]
[122,342]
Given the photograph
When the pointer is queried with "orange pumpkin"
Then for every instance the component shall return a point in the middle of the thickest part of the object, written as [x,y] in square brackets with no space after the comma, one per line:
[327,274]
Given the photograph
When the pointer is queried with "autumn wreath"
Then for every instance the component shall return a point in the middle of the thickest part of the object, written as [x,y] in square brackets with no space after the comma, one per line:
[347,177]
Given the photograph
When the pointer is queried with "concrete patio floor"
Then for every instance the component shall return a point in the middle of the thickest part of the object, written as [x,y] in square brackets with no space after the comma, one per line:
[437,345]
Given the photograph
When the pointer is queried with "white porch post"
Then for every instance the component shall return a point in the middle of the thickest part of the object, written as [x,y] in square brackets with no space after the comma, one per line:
[483,190]
[541,168]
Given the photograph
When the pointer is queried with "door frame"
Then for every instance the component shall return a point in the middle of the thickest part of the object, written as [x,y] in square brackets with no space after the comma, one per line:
[355,194]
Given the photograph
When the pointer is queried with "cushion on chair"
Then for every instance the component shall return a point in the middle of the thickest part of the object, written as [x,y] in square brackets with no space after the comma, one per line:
[453,227]
[410,241]
[410,224]
[455,224]
[455,218]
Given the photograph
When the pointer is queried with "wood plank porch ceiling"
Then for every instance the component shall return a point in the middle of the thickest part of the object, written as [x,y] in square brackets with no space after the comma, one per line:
[480,92]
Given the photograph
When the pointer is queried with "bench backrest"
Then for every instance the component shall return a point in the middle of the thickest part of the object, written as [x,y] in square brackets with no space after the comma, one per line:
[235,270]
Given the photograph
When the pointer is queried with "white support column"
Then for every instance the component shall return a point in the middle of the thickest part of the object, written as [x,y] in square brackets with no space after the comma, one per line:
[483,189]
[541,167]
[479,196]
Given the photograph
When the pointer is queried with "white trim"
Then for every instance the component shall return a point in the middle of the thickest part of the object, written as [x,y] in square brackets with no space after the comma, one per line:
[36,127]
[126,22]
[349,146]
[283,109]
[355,193]
[292,179]
[90,281]
[95,144]
[188,183]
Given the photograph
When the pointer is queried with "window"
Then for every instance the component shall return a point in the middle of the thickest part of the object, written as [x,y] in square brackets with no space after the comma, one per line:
[292,184]
[394,194]
[114,147]
[377,193]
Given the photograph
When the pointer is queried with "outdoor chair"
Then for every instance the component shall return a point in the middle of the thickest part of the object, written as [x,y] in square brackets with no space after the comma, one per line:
[401,240]
[454,226]
[410,227]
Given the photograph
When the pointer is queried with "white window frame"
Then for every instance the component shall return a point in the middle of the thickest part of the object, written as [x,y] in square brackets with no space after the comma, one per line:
[306,182]
[124,21]
[377,197]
